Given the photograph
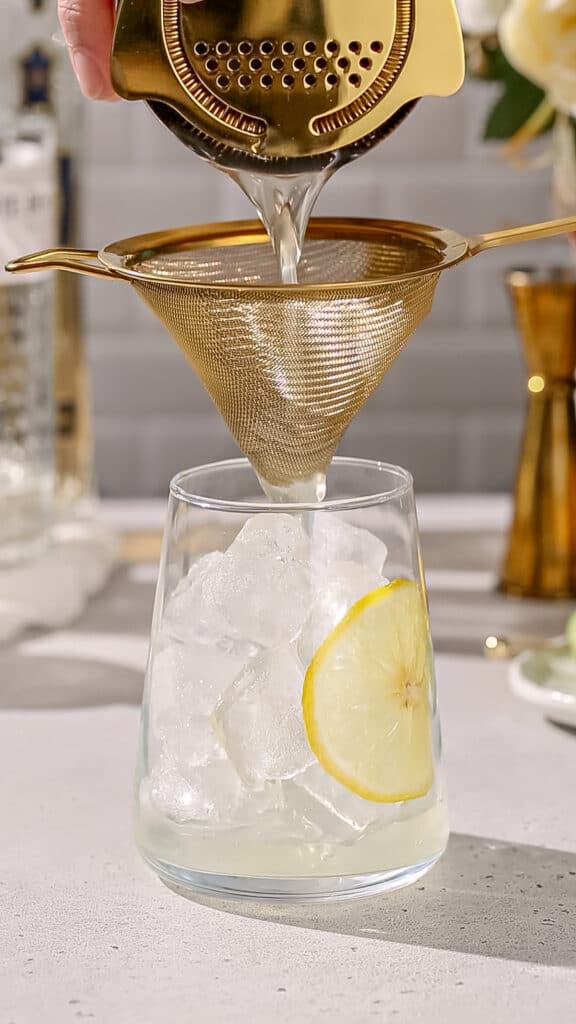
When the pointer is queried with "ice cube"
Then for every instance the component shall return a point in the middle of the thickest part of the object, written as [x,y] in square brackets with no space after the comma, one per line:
[262,588]
[336,811]
[265,602]
[188,679]
[256,593]
[333,539]
[191,743]
[274,535]
[212,796]
[185,741]
[336,587]
[192,611]
[260,721]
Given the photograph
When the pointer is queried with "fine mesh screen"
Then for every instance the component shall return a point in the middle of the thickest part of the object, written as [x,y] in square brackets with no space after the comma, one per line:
[323,261]
[289,368]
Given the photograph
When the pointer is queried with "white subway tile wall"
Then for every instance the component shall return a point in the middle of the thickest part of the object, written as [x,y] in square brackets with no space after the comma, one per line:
[451,409]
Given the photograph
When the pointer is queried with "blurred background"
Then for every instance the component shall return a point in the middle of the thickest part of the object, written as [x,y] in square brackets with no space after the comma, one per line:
[451,409]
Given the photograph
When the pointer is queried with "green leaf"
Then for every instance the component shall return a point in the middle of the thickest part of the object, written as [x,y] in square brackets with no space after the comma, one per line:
[496,67]
[519,98]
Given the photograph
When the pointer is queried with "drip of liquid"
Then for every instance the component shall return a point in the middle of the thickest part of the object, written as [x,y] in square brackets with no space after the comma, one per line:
[284,205]
[299,492]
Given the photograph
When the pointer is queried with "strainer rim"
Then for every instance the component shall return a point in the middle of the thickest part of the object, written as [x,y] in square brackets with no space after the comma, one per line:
[452,246]
[266,506]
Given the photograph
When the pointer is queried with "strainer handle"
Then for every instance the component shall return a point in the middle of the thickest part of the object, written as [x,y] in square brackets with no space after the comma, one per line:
[527,233]
[78,261]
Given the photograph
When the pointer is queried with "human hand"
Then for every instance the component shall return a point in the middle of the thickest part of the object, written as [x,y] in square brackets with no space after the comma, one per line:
[88,27]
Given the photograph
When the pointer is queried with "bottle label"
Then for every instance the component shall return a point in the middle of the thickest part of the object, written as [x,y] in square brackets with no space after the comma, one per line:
[28,202]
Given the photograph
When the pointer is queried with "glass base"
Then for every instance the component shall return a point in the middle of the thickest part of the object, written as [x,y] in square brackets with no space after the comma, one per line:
[289,890]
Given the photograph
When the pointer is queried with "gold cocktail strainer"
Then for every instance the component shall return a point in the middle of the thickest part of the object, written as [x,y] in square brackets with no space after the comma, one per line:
[288,366]
[285,84]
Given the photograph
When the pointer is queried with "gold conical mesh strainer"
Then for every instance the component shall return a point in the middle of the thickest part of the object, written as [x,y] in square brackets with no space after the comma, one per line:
[288,366]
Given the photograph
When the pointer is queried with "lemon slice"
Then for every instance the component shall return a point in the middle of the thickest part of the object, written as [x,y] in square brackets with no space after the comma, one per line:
[366,697]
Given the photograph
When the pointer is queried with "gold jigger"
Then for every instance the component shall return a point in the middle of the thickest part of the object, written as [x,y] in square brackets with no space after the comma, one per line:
[541,558]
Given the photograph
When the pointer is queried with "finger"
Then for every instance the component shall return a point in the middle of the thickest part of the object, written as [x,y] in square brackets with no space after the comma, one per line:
[88,27]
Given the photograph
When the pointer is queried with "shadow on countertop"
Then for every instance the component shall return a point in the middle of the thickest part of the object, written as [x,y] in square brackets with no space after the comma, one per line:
[485,897]
[53,682]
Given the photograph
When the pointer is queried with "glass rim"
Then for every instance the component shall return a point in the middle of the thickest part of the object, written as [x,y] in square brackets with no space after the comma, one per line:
[405,485]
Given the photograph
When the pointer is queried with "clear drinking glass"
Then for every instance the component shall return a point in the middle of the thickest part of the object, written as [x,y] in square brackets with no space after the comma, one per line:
[290,741]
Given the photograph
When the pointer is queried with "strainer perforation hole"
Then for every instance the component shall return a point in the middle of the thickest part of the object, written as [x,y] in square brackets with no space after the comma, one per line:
[365,63]
[245,47]
[299,64]
[267,47]
[212,66]
[288,48]
[320,63]
[310,81]
[355,80]
[332,46]
[343,63]
[277,64]
[256,64]
[331,80]
[355,46]
[223,82]
[245,82]
[376,46]
[223,49]
[201,48]
[266,81]
[234,64]
[288,81]
[309,47]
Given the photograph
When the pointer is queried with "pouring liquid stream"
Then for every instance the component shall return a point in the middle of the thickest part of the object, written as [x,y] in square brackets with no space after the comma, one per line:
[284,204]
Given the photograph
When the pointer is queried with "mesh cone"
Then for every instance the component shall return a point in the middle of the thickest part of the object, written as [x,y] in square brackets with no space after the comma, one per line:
[288,368]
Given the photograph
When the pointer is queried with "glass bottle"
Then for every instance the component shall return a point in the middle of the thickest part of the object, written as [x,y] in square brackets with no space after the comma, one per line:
[50,90]
[28,215]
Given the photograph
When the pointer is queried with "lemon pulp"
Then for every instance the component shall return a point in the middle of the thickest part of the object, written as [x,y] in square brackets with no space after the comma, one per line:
[366,698]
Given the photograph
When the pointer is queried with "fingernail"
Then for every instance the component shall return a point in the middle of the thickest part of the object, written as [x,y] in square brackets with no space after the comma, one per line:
[88,74]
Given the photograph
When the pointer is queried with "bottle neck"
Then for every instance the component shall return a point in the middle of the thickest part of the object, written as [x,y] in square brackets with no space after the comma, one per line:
[36,81]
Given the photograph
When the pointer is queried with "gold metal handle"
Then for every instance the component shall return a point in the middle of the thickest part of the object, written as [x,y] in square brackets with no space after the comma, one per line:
[527,233]
[77,261]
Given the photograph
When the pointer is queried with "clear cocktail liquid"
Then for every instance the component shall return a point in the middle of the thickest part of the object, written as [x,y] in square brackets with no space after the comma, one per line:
[284,205]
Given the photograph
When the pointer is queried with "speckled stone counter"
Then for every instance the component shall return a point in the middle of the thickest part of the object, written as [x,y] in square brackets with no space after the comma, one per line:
[88,933]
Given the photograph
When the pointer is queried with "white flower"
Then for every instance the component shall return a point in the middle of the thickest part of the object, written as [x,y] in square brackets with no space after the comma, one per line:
[538,37]
[480,17]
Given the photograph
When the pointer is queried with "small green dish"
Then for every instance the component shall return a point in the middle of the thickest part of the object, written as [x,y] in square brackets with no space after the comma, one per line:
[547,680]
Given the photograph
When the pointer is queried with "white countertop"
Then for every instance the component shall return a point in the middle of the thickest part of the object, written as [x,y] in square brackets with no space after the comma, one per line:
[90,934]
